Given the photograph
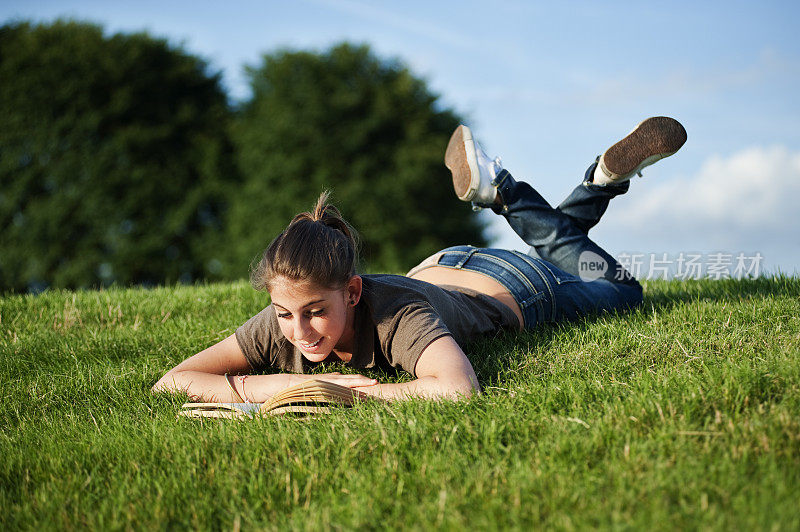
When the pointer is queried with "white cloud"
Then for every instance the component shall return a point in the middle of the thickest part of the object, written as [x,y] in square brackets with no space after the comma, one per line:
[743,202]
[753,191]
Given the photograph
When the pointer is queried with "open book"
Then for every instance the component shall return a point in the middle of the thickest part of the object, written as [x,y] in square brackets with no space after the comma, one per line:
[308,397]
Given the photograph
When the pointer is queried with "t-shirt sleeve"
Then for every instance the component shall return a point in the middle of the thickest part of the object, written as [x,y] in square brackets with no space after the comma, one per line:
[412,330]
[256,340]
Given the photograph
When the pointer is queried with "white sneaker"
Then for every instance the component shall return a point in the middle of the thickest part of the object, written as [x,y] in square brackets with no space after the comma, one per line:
[650,141]
[473,172]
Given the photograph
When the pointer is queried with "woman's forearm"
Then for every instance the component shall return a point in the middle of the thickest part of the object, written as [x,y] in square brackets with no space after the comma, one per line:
[212,388]
[424,387]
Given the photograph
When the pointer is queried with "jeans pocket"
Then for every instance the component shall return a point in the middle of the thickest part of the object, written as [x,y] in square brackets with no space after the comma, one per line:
[556,274]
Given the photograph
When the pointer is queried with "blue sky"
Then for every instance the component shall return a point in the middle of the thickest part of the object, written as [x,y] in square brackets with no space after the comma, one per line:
[549,85]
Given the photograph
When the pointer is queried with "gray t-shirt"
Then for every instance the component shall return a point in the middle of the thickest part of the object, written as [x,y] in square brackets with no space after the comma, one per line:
[395,320]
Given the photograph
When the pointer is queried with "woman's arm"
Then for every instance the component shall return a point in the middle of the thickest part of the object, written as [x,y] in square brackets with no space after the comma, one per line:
[202,376]
[443,372]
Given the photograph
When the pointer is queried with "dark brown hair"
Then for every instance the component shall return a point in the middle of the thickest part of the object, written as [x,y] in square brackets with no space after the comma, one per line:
[318,247]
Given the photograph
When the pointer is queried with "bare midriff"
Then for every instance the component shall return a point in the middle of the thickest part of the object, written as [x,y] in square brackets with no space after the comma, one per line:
[442,275]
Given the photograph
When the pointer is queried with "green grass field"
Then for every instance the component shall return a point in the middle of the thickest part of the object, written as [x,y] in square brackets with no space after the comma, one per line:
[684,414]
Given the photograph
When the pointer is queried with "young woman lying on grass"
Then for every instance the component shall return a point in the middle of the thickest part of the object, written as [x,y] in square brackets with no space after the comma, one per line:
[323,311]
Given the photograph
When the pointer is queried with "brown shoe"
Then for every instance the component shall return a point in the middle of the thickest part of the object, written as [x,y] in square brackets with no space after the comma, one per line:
[650,141]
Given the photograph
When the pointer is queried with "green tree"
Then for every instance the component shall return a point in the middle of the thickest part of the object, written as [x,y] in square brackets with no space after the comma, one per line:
[365,128]
[114,159]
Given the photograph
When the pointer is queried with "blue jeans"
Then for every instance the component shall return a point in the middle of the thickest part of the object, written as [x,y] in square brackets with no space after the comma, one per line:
[565,275]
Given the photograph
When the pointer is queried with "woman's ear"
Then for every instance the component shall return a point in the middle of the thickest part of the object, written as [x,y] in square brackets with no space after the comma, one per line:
[354,286]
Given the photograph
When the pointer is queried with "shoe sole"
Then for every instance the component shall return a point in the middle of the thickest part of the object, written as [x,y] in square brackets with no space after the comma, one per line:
[650,141]
[462,161]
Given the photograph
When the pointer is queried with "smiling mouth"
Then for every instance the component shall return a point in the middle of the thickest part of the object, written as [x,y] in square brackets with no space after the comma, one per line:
[310,346]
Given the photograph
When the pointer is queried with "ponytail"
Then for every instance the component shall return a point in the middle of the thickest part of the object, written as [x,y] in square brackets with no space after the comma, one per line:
[319,247]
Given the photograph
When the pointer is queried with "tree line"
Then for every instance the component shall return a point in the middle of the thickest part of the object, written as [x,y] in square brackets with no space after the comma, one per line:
[122,160]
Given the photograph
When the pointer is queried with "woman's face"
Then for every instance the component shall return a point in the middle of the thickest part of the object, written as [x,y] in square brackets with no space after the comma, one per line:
[316,320]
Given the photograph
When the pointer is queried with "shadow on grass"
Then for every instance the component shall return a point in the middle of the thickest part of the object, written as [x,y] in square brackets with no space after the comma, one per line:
[659,297]
[666,294]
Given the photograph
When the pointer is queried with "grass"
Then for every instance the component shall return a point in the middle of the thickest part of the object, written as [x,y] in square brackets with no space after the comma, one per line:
[684,414]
